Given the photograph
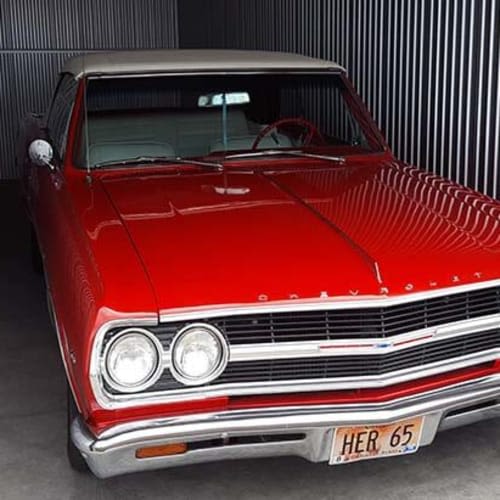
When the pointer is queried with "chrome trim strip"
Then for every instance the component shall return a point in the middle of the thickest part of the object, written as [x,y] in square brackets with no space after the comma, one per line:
[299,305]
[309,385]
[360,346]
[326,71]
[113,452]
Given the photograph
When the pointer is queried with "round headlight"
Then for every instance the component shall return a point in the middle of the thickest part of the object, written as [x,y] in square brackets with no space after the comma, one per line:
[199,354]
[132,360]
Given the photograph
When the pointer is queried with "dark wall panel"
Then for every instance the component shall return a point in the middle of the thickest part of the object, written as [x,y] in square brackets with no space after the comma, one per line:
[428,70]
[37,36]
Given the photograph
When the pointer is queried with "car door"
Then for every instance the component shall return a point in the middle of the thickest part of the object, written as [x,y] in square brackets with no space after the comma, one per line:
[47,184]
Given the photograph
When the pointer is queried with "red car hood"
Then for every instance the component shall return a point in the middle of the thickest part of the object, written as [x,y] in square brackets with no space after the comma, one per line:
[321,231]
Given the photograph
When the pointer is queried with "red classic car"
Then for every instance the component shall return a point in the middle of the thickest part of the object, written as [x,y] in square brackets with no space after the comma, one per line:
[238,267]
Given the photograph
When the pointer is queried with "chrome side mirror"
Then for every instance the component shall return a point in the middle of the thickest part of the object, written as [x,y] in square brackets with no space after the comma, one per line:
[41,153]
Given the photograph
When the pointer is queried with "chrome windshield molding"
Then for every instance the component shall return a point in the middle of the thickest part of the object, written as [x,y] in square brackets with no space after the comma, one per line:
[360,347]
[327,71]
[299,305]
[309,385]
[97,351]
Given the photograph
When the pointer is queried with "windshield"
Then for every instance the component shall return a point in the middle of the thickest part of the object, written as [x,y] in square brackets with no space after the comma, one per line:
[200,116]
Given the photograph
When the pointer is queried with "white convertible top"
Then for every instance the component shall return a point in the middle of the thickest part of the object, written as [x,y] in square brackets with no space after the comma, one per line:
[178,60]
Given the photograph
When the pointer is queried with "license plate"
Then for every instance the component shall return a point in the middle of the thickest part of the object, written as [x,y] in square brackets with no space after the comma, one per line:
[351,444]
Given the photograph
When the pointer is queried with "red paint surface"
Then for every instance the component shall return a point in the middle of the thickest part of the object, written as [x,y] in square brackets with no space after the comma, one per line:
[137,242]
[307,227]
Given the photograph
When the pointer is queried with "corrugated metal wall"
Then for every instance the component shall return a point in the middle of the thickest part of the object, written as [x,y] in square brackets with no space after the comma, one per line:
[428,70]
[36,36]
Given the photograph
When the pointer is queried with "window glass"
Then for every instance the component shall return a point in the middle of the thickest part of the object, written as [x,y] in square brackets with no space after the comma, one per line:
[195,116]
[60,113]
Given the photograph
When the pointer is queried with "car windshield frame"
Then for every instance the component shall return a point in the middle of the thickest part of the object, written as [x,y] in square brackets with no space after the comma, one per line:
[355,106]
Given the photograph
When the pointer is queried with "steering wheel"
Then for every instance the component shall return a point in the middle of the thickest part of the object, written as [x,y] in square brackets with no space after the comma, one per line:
[312,130]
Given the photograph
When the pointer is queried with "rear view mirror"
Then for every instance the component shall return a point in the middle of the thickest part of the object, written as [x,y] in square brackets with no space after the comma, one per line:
[41,153]
[228,98]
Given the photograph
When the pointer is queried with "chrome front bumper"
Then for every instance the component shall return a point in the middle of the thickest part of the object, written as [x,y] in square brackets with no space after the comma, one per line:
[287,431]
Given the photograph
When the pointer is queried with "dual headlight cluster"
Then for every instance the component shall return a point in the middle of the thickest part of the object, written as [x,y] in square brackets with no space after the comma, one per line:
[134,359]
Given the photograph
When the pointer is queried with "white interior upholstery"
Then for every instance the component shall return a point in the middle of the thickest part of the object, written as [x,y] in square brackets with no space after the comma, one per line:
[172,133]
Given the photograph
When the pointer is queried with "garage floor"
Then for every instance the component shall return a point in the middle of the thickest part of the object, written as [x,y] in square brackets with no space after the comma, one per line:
[461,464]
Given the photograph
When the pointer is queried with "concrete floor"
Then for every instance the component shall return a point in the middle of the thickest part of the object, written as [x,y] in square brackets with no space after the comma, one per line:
[461,464]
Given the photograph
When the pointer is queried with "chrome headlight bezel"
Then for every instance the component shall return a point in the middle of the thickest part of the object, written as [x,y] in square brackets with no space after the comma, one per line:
[155,374]
[222,361]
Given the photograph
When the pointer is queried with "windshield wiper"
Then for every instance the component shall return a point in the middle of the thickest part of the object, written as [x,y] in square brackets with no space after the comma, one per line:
[281,152]
[160,159]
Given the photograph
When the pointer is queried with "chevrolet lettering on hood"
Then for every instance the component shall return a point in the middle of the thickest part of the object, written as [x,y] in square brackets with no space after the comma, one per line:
[237,266]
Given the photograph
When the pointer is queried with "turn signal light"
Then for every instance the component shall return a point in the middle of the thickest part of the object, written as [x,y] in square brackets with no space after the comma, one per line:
[163,450]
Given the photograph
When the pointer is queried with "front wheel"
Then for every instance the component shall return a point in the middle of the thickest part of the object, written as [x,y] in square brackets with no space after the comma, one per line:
[75,458]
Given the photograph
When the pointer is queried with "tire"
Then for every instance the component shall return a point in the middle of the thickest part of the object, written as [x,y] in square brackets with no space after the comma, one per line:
[75,458]
[36,257]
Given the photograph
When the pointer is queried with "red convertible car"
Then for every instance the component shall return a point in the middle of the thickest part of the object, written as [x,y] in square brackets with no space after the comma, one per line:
[237,266]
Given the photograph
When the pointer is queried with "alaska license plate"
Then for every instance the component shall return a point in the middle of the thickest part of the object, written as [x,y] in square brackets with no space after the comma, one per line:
[351,444]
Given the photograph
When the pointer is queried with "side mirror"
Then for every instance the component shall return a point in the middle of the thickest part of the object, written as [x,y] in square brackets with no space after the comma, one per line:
[41,153]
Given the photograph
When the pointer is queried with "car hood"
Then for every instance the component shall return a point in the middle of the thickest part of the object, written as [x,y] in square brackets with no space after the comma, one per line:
[239,237]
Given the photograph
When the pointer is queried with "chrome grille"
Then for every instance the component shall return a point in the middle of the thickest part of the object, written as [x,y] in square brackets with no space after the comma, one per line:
[347,366]
[366,323]
[359,366]
[336,324]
